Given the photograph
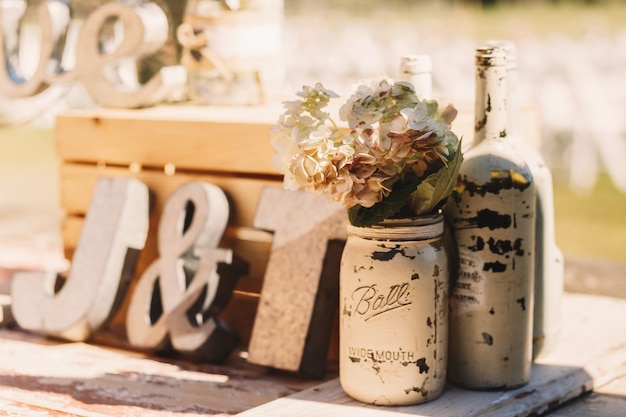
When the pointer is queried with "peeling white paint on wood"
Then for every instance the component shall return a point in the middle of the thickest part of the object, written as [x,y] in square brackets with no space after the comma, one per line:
[589,354]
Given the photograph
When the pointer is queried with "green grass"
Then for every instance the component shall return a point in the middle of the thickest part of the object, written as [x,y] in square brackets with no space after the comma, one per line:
[591,226]
[28,169]
[543,19]
[507,19]
[25,144]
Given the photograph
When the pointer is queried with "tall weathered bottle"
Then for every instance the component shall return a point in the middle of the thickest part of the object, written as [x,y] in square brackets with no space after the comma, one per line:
[417,69]
[492,214]
[549,264]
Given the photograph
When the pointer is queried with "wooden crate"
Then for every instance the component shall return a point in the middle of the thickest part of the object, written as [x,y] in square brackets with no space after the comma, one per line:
[227,147]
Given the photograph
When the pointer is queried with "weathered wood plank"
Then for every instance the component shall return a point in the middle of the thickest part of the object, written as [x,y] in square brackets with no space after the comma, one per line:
[607,401]
[11,407]
[204,135]
[591,352]
[78,180]
[87,380]
[187,137]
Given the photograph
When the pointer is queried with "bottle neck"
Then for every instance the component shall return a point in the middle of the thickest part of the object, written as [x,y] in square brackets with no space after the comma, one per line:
[490,112]
[513,106]
[512,94]
[417,70]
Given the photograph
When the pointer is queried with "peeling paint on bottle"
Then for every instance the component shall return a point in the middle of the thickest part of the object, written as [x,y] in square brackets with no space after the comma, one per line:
[394,321]
[493,220]
[549,264]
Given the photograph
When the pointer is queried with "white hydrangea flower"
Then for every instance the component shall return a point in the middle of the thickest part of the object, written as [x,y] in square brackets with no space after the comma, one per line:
[393,137]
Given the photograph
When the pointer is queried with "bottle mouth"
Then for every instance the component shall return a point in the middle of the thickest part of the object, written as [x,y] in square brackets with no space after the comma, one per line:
[418,228]
[489,55]
[416,64]
[509,48]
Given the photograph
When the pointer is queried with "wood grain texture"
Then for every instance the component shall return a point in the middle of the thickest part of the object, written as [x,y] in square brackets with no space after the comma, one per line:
[44,377]
[41,377]
[607,401]
[590,353]
[154,138]
[212,138]
[78,180]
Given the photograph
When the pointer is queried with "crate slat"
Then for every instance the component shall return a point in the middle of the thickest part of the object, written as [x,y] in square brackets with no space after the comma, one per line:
[78,180]
[187,138]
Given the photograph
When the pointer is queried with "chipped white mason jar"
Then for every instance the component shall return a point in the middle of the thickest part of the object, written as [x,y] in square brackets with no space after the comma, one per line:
[394,312]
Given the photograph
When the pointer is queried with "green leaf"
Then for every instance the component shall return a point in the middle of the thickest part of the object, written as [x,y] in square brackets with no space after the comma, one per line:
[421,197]
[437,187]
[364,217]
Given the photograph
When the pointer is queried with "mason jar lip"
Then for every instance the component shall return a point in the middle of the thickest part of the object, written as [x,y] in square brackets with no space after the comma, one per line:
[415,228]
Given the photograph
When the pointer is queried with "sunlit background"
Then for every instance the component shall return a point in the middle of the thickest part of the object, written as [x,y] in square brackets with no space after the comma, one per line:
[572,69]
[571,65]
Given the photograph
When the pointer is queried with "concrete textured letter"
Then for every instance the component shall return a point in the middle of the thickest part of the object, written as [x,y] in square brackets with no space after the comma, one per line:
[301,286]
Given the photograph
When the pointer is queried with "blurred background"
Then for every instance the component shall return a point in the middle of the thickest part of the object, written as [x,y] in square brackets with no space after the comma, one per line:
[571,66]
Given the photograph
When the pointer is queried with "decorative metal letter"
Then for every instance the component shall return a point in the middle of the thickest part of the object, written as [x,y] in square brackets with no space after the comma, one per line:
[107,70]
[113,235]
[145,31]
[181,293]
[54,18]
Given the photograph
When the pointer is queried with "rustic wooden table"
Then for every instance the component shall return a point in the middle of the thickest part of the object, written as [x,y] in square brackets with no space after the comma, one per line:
[585,375]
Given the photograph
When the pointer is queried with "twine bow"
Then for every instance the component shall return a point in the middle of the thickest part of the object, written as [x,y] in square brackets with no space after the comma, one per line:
[199,42]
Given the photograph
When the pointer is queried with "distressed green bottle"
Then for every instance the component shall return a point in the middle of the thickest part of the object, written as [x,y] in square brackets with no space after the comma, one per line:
[492,214]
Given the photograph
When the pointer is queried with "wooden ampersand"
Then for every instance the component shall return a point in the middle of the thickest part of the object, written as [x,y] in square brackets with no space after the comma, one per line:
[114,232]
[300,292]
[178,297]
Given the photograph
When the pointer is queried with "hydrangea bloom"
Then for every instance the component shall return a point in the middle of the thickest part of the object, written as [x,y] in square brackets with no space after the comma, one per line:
[393,143]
